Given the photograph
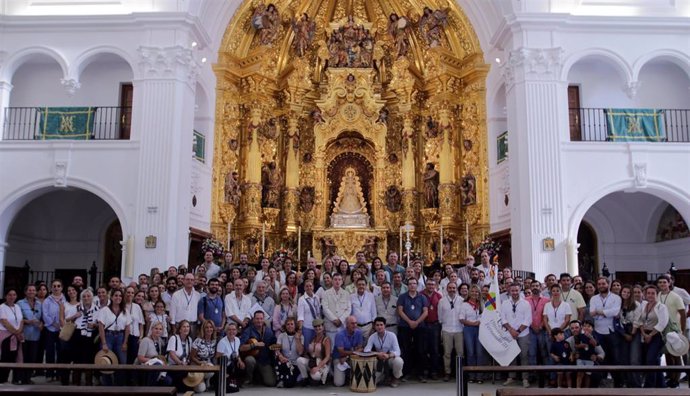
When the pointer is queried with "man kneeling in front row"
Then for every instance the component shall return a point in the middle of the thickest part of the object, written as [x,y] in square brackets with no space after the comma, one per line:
[385,344]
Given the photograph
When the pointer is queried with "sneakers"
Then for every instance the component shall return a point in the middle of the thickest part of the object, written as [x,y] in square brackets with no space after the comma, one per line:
[395,383]
[446,378]
[525,383]
[509,381]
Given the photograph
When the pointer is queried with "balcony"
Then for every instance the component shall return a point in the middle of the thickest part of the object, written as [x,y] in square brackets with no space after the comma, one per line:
[100,123]
[590,125]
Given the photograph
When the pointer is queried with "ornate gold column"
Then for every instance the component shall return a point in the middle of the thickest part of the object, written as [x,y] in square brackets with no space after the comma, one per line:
[251,199]
[447,189]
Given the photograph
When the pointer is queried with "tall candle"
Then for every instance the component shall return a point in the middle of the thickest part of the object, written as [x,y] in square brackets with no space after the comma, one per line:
[263,239]
[441,247]
[401,244]
[299,244]
[229,228]
[467,237]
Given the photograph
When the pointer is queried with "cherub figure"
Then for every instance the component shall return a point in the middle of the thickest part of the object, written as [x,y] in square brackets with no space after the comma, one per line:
[266,20]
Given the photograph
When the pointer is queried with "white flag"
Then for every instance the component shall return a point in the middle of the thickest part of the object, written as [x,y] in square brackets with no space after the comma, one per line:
[493,336]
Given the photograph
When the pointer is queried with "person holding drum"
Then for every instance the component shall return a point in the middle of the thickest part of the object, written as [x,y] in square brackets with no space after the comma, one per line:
[385,344]
[347,342]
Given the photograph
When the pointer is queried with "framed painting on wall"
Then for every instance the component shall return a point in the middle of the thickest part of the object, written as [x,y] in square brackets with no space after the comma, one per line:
[502,147]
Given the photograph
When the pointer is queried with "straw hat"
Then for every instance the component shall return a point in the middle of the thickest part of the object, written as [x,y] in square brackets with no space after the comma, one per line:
[677,344]
[193,379]
[105,358]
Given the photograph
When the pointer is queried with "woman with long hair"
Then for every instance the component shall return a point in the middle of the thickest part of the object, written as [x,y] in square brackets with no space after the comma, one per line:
[113,331]
[470,314]
[651,324]
[316,363]
[327,268]
[377,264]
[291,285]
[285,308]
[149,304]
[52,306]
[136,327]
[352,285]
[203,351]
[291,347]
[85,335]
[344,270]
[11,334]
[309,274]
[179,348]
[590,291]
[616,287]
[630,344]
[102,298]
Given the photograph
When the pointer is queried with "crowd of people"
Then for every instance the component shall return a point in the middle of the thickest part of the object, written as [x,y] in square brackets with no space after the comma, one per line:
[282,327]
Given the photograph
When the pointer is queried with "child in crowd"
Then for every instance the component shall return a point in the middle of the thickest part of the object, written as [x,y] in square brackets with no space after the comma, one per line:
[561,354]
[585,343]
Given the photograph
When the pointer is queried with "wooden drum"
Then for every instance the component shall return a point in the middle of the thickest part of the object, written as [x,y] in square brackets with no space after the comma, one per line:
[363,374]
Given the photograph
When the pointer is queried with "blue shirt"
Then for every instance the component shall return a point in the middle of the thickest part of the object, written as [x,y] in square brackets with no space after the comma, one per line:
[347,342]
[51,313]
[413,307]
[265,355]
[31,332]
[212,308]
[390,271]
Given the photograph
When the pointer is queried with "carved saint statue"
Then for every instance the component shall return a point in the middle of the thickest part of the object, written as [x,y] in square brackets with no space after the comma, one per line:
[399,30]
[232,188]
[328,247]
[393,199]
[468,190]
[271,185]
[350,45]
[266,20]
[306,199]
[304,30]
[350,208]
[431,181]
[431,25]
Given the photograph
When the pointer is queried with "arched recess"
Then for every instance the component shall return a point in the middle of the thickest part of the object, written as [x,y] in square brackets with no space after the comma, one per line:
[605,55]
[61,232]
[678,58]
[17,59]
[97,53]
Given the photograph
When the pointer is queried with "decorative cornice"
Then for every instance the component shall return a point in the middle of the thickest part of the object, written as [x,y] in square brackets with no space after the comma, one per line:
[540,64]
[175,62]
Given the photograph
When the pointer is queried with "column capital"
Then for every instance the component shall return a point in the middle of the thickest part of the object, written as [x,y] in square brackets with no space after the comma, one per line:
[535,64]
[174,62]
[6,86]
[71,85]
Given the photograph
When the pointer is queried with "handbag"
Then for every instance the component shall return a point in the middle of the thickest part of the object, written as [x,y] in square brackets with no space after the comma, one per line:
[618,327]
[67,331]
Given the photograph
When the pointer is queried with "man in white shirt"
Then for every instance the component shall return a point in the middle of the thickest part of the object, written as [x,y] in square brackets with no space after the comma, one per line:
[237,305]
[336,307]
[261,300]
[604,307]
[212,269]
[385,344]
[516,316]
[485,266]
[363,307]
[451,328]
[170,289]
[184,304]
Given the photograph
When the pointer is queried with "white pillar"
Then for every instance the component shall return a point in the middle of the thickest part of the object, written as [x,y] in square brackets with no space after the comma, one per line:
[3,249]
[537,122]
[163,122]
[5,90]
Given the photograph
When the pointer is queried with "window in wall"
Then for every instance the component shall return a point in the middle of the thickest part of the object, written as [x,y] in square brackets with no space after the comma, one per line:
[199,147]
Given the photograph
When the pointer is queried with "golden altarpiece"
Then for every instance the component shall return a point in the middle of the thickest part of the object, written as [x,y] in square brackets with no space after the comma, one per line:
[339,122]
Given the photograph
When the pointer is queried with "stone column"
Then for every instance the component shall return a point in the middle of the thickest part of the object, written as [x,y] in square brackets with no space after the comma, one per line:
[5,90]
[162,123]
[537,121]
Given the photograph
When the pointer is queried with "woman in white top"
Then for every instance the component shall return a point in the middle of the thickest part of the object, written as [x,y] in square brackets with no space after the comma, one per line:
[159,316]
[136,332]
[179,348]
[70,312]
[11,333]
[229,346]
[85,334]
[556,313]
[113,330]
[651,323]
[470,314]
[284,309]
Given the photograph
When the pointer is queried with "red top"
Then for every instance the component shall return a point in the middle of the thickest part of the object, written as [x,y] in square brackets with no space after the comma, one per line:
[434,298]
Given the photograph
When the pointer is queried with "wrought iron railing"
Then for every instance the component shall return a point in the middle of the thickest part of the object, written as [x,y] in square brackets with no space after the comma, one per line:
[20,276]
[109,123]
[589,125]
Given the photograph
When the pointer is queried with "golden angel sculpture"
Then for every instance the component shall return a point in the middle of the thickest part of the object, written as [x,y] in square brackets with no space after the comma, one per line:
[266,20]
[431,25]
[399,31]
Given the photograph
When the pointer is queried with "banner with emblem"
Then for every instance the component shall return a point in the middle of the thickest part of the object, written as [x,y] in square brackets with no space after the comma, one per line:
[493,336]
[635,125]
[74,123]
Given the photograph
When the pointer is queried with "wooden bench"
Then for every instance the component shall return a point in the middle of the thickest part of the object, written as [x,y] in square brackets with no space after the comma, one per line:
[591,392]
[87,390]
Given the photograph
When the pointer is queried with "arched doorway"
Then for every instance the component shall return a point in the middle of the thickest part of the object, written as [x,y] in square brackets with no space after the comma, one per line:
[62,233]
[587,254]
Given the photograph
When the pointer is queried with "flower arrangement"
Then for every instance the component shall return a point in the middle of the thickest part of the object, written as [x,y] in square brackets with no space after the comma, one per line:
[214,246]
[488,244]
